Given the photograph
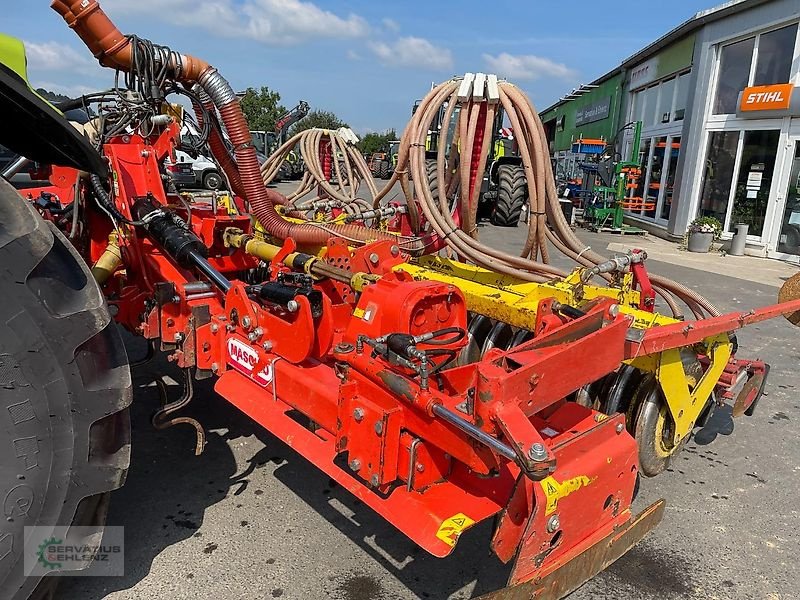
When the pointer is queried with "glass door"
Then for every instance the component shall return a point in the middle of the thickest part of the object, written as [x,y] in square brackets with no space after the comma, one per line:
[789,234]
[665,201]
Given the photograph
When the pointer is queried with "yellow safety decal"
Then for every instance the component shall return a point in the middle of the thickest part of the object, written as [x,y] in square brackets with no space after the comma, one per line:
[451,528]
[555,491]
[358,313]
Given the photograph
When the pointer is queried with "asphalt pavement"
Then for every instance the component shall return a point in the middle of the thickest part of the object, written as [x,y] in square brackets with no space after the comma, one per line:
[251,519]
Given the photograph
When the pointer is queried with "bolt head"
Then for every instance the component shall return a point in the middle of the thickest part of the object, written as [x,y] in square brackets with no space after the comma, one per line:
[214,367]
[379,427]
[358,414]
[420,468]
[178,336]
[355,465]
[620,427]
[292,306]
[267,345]
[537,452]
[395,250]
[613,310]
[214,328]
[374,481]
[374,258]
[246,322]
[553,523]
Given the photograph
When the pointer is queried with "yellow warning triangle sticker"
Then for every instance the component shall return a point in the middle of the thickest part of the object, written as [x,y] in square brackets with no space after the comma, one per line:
[451,528]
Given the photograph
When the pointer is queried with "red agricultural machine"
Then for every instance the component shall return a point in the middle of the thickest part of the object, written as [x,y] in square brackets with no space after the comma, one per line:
[439,392]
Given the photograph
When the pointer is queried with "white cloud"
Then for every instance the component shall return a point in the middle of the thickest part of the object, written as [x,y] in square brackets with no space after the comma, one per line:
[353,55]
[391,24]
[527,66]
[413,52]
[272,22]
[55,57]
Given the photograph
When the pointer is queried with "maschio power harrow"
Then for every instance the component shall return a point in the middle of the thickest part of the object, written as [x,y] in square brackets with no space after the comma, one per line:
[439,392]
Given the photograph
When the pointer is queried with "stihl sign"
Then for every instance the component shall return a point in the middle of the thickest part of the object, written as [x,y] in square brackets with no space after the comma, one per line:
[766,97]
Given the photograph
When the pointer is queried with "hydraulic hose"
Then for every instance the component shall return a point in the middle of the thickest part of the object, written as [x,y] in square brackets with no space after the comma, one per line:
[314,146]
[546,223]
[113,49]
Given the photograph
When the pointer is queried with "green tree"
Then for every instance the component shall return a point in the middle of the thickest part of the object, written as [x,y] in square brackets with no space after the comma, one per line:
[323,119]
[376,142]
[261,108]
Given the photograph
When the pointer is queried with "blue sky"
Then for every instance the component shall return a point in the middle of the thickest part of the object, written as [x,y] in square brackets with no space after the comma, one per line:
[363,59]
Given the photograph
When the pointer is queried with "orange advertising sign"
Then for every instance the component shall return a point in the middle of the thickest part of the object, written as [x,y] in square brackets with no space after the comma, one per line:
[766,97]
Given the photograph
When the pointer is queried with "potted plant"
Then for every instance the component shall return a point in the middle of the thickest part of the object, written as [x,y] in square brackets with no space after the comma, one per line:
[702,232]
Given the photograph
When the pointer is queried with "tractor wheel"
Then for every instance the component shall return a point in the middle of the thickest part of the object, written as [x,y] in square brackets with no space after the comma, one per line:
[383,170]
[66,387]
[433,180]
[212,181]
[512,194]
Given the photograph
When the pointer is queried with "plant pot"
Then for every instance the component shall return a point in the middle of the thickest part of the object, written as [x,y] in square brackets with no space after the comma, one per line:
[700,242]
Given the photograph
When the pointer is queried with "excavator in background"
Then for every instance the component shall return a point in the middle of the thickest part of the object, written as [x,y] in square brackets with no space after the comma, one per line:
[266,142]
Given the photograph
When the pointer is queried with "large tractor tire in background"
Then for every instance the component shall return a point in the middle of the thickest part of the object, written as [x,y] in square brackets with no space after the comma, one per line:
[512,194]
[383,169]
[65,387]
[433,180]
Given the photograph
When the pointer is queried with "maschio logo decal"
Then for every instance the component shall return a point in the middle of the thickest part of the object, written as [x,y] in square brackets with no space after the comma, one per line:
[243,358]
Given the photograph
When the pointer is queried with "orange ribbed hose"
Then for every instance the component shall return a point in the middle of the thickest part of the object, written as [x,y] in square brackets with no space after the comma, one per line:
[113,49]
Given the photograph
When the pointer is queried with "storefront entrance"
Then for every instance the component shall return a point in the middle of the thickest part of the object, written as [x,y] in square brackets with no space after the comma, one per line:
[785,241]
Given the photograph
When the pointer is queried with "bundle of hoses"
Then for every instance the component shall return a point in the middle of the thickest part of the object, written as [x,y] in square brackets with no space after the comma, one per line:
[455,155]
[113,49]
[347,165]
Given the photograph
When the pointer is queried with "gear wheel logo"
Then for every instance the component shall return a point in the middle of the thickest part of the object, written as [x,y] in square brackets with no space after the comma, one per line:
[42,554]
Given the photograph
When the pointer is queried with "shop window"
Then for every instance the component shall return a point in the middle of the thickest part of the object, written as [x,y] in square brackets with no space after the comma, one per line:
[638,106]
[754,180]
[639,193]
[667,94]
[734,74]
[789,240]
[669,182]
[775,53]
[654,179]
[718,174]
[681,97]
[650,106]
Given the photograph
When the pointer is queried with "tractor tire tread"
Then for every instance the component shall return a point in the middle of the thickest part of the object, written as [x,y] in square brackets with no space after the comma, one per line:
[65,433]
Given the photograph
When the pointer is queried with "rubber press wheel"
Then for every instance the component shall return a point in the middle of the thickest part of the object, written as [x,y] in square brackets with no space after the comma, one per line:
[512,194]
[65,388]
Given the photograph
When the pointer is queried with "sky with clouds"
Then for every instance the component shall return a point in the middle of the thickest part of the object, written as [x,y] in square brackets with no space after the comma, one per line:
[367,61]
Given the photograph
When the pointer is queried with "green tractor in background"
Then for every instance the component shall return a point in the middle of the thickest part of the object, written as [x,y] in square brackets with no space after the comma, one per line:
[504,189]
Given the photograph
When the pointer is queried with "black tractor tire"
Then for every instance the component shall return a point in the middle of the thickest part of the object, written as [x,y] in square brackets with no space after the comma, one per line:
[383,169]
[213,181]
[512,195]
[433,180]
[66,388]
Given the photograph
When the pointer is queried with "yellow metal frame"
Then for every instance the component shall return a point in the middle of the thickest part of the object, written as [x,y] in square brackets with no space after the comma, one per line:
[515,302]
